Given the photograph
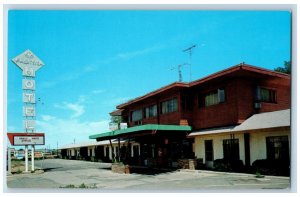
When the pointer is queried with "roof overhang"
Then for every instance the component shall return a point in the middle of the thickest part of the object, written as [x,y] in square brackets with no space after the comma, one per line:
[265,121]
[226,130]
[148,129]
[155,92]
[91,143]
[237,70]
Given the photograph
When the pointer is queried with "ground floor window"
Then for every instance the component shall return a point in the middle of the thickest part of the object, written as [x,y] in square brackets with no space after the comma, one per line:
[209,154]
[277,148]
[107,151]
[136,152]
[231,149]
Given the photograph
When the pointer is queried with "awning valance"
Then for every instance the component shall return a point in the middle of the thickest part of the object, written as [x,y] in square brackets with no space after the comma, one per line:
[138,129]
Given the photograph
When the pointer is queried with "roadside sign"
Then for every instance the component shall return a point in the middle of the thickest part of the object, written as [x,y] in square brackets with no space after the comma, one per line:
[28,62]
[21,139]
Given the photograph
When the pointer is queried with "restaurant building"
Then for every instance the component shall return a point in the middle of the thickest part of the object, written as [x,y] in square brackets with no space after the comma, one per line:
[241,113]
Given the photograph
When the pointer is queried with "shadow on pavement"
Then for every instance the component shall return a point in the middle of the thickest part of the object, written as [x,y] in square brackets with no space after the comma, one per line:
[50,169]
[146,170]
[150,171]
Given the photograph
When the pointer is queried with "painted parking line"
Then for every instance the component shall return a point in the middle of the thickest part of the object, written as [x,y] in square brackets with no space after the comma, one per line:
[244,184]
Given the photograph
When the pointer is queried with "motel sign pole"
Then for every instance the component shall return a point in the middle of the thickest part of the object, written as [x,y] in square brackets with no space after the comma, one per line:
[29,63]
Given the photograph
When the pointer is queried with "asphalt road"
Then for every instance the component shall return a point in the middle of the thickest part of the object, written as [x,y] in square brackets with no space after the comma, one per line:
[61,173]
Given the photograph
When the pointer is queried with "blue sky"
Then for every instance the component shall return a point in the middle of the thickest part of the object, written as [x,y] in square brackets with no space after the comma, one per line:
[95,60]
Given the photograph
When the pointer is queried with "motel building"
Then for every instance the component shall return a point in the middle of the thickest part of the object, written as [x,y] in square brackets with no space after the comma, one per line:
[233,120]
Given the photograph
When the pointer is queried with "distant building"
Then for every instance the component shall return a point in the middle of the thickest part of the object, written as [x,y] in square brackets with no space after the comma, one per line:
[102,151]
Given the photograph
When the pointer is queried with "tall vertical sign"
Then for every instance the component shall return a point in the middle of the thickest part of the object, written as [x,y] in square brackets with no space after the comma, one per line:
[29,63]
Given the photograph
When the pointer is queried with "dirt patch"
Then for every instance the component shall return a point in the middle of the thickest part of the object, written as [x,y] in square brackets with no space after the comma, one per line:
[17,166]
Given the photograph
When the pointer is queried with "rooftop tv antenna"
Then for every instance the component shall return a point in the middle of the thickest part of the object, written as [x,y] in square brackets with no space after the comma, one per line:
[189,50]
[179,71]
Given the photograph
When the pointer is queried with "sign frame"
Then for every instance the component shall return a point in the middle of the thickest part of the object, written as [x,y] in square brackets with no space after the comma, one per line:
[12,136]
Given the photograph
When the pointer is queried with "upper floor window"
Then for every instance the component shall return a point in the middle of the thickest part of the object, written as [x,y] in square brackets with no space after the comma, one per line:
[169,106]
[150,111]
[136,115]
[265,95]
[186,102]
[213,98]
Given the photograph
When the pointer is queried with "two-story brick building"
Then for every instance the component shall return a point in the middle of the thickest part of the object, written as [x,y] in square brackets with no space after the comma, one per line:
[204,119]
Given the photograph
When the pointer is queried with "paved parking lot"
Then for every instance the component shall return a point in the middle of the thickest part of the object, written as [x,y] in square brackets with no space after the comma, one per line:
[61,173]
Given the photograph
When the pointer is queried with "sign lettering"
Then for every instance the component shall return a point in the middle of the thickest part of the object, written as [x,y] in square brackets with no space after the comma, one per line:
[28,59]
[28,97]
[29,72]
[29,111]
[29,125]
[29,140]
[28,84]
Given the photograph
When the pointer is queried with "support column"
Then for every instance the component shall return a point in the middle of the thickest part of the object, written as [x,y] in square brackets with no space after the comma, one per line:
[32,158]
[112,151]
[8,160]
[247,149]
[119,147]
[26,158]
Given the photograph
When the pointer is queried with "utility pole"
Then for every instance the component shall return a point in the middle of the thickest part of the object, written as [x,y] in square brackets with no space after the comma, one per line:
[189,50]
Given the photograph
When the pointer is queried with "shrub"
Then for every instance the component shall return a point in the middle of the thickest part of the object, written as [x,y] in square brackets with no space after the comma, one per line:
[82,185]
[19,171]
[228,166]
[271,167]
[68,186]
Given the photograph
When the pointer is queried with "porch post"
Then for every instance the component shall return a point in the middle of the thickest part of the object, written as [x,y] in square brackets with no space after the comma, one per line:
[127,149]
[112,150]
[247,149]
[119,149]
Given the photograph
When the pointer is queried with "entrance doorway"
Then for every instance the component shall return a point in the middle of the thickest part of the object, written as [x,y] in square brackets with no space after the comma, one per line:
[209,153]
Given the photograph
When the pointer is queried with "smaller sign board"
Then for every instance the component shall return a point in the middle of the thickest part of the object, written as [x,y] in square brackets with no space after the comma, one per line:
[28,140]
[21,139]
[123,125]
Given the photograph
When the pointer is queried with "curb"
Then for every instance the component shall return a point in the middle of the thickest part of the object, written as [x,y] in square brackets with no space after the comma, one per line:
[36,172]
[231,173]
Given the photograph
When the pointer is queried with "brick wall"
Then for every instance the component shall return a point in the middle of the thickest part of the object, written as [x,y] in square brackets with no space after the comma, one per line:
[283,95]
[238,105]
[169,118]
[220,114]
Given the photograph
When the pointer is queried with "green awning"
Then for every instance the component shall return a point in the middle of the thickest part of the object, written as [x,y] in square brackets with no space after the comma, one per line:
[147,127]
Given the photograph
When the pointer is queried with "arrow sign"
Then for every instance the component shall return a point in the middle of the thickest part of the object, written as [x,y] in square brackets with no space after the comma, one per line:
[28,62]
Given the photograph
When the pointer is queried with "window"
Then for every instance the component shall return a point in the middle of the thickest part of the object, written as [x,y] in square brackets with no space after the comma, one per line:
[231,149]
[277,148]
[136,115]
[265,95]
[116,151]
[169,106]
[186,103]
[212,98]
[150,111]
[136,151]
[209,154]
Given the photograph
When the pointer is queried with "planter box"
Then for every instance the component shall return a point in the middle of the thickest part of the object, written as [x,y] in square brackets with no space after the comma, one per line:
[120,168]
[187,164]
